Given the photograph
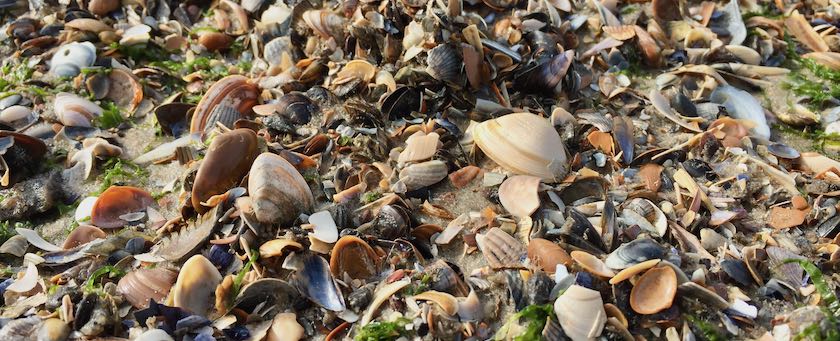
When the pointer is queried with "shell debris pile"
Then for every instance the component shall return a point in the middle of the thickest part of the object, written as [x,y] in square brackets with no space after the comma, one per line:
[419,170]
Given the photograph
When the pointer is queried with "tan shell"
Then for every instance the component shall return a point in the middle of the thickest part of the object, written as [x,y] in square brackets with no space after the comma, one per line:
[827,59]
[624,32]
[82,235]
[419,147]
[523,143]
[500,249]
[633,270]
[278,191]
[235,91]
[518,194]
[103,7]
[462,177]
[547,255]
[356,69]
[215,41]
[73,110]
[285,327]
[423,174]
[353,256]
[141,285]
[116,201]
[447,302]
[592,264]
[277,247]
[196,285]
[654,291]
[580,312]
[804,33]
[124,90]
[228,159]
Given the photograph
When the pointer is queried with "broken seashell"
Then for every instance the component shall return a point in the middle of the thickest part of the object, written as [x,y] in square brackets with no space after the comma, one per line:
[518,194]
[547,255]
[592,264]
[500,249]
[141,285]
[447,302]
[117,201]
[354,257]
[82,235]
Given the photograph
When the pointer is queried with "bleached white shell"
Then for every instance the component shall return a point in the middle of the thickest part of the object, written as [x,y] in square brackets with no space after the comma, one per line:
[70,58]
[196,285]
[580,312]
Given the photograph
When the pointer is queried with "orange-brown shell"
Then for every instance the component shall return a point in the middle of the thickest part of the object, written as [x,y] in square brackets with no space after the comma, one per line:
[82,235]
[228,159]
[124,89]
[141,285]
[234,91]
[117,201]
[654,291]
[353,256]
[547,255]
[215,41]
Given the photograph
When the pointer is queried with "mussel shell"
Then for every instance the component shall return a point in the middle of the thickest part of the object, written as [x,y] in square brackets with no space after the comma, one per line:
[546,76]
[297,107]
[269,292]
[315,281]
[173,117]
[783,151]
[736,270]
[22,154]
[228,159]
[401,102]
[635,252]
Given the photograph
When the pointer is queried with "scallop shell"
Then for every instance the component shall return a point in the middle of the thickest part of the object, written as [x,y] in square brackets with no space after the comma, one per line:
[354,257]
[580,312]
[523,143]
[142,285]
[228,159]
[423,174]
[500,249]
[235,91]
[196,285]
[116,201]
[71,58]
[654,291]
[278,191]
[518,194]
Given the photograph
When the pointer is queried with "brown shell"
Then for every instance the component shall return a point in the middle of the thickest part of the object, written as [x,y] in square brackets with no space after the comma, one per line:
[116,201]
[592,264]
[234,91]
[82,235]
[547,255]
[654,291]
[668,10]
[215,41]
[623,32]
[353,256]
[141,285]
[124,89]
[228,159]
[103,7]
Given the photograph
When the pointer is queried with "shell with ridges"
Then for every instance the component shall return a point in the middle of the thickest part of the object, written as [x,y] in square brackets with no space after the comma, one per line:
[279,193]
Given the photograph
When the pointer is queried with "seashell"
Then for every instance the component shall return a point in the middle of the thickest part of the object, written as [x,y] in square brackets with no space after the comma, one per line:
[18,116]
[419,147]
[103,7]
[82,235]
[27,282]
[76,111]
[172,117]
[500,249]
[402,102]
[663,107]
[228,159]
[124,90]
[274,50]
[71,58]
[783,151]
[117,201]
[446,302]
[623,131]
[783,218]
[633,270]
[622,33]
[734,23]
[580,311]
[654,291]
[36,240]
[354,257]
[53,329]
[827,59]
[525,144]
[518,194]
[423,174]
[297,107]
[804,33]
[736,270]
[356,69]
[741,105]
[324,228]
[652,218]
[141,285]
[195,286]
[704,295]
[277,247]
[89,25]
[446,277]
[278,191]
[462,177]
[546,76]
[444,64]
[284,326]
[266,292]
[547,255]
[16,246]
[592,264]
[381,295]
[651,50]
[215,41]
[154,335]
[314,279]
[788,273]
[667,10]
[136,35]
[180,244]
[235,91]
[325,23]
[634,252]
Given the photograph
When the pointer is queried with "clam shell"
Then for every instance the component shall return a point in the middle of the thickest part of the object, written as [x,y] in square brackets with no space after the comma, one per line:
[18,116]
[547,255]
[117,201]
[82,235]
[73,110]
[71,58]
[518,194]
[196,285]
[124,90]
[423,174]
[790,273]
[215,41]
[276,247]
[624,32]
[592,264]
[103,7]
[633,270]
[742,105]
[135,35]
[500,249]
[356,69]
[353,256]
[654,291]
[142,285]
[523,143]
[580,312]
[634,252]
[278,191]
[804,33]
[235,91]
[325,23]
[828,59]
[228,159]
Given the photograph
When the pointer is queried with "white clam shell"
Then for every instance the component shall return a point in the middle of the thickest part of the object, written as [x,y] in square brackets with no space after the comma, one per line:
[196,285]
[75,111]
[580,312]
[70,58]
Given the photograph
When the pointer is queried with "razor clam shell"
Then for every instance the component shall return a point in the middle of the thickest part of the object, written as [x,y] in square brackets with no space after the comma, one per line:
[423,174]
[501,250]
[804,33]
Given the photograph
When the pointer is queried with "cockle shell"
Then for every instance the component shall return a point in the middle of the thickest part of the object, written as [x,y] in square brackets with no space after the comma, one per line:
[580,312]
[547,255]
[196,285]
[117,201]
[228,159]
[75,111]
[423,174]
[234,91]
[501,250]
[278,191]
[70,58]
[523,143]
[654,291]
[141,285]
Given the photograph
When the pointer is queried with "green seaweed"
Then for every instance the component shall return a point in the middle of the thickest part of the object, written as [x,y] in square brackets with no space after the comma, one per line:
[118,171]
[109,271]
[819,138]
[7,229]
[829,303]
[237,281]
[111,116]
[382,331]
[709,331]
[534,315]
